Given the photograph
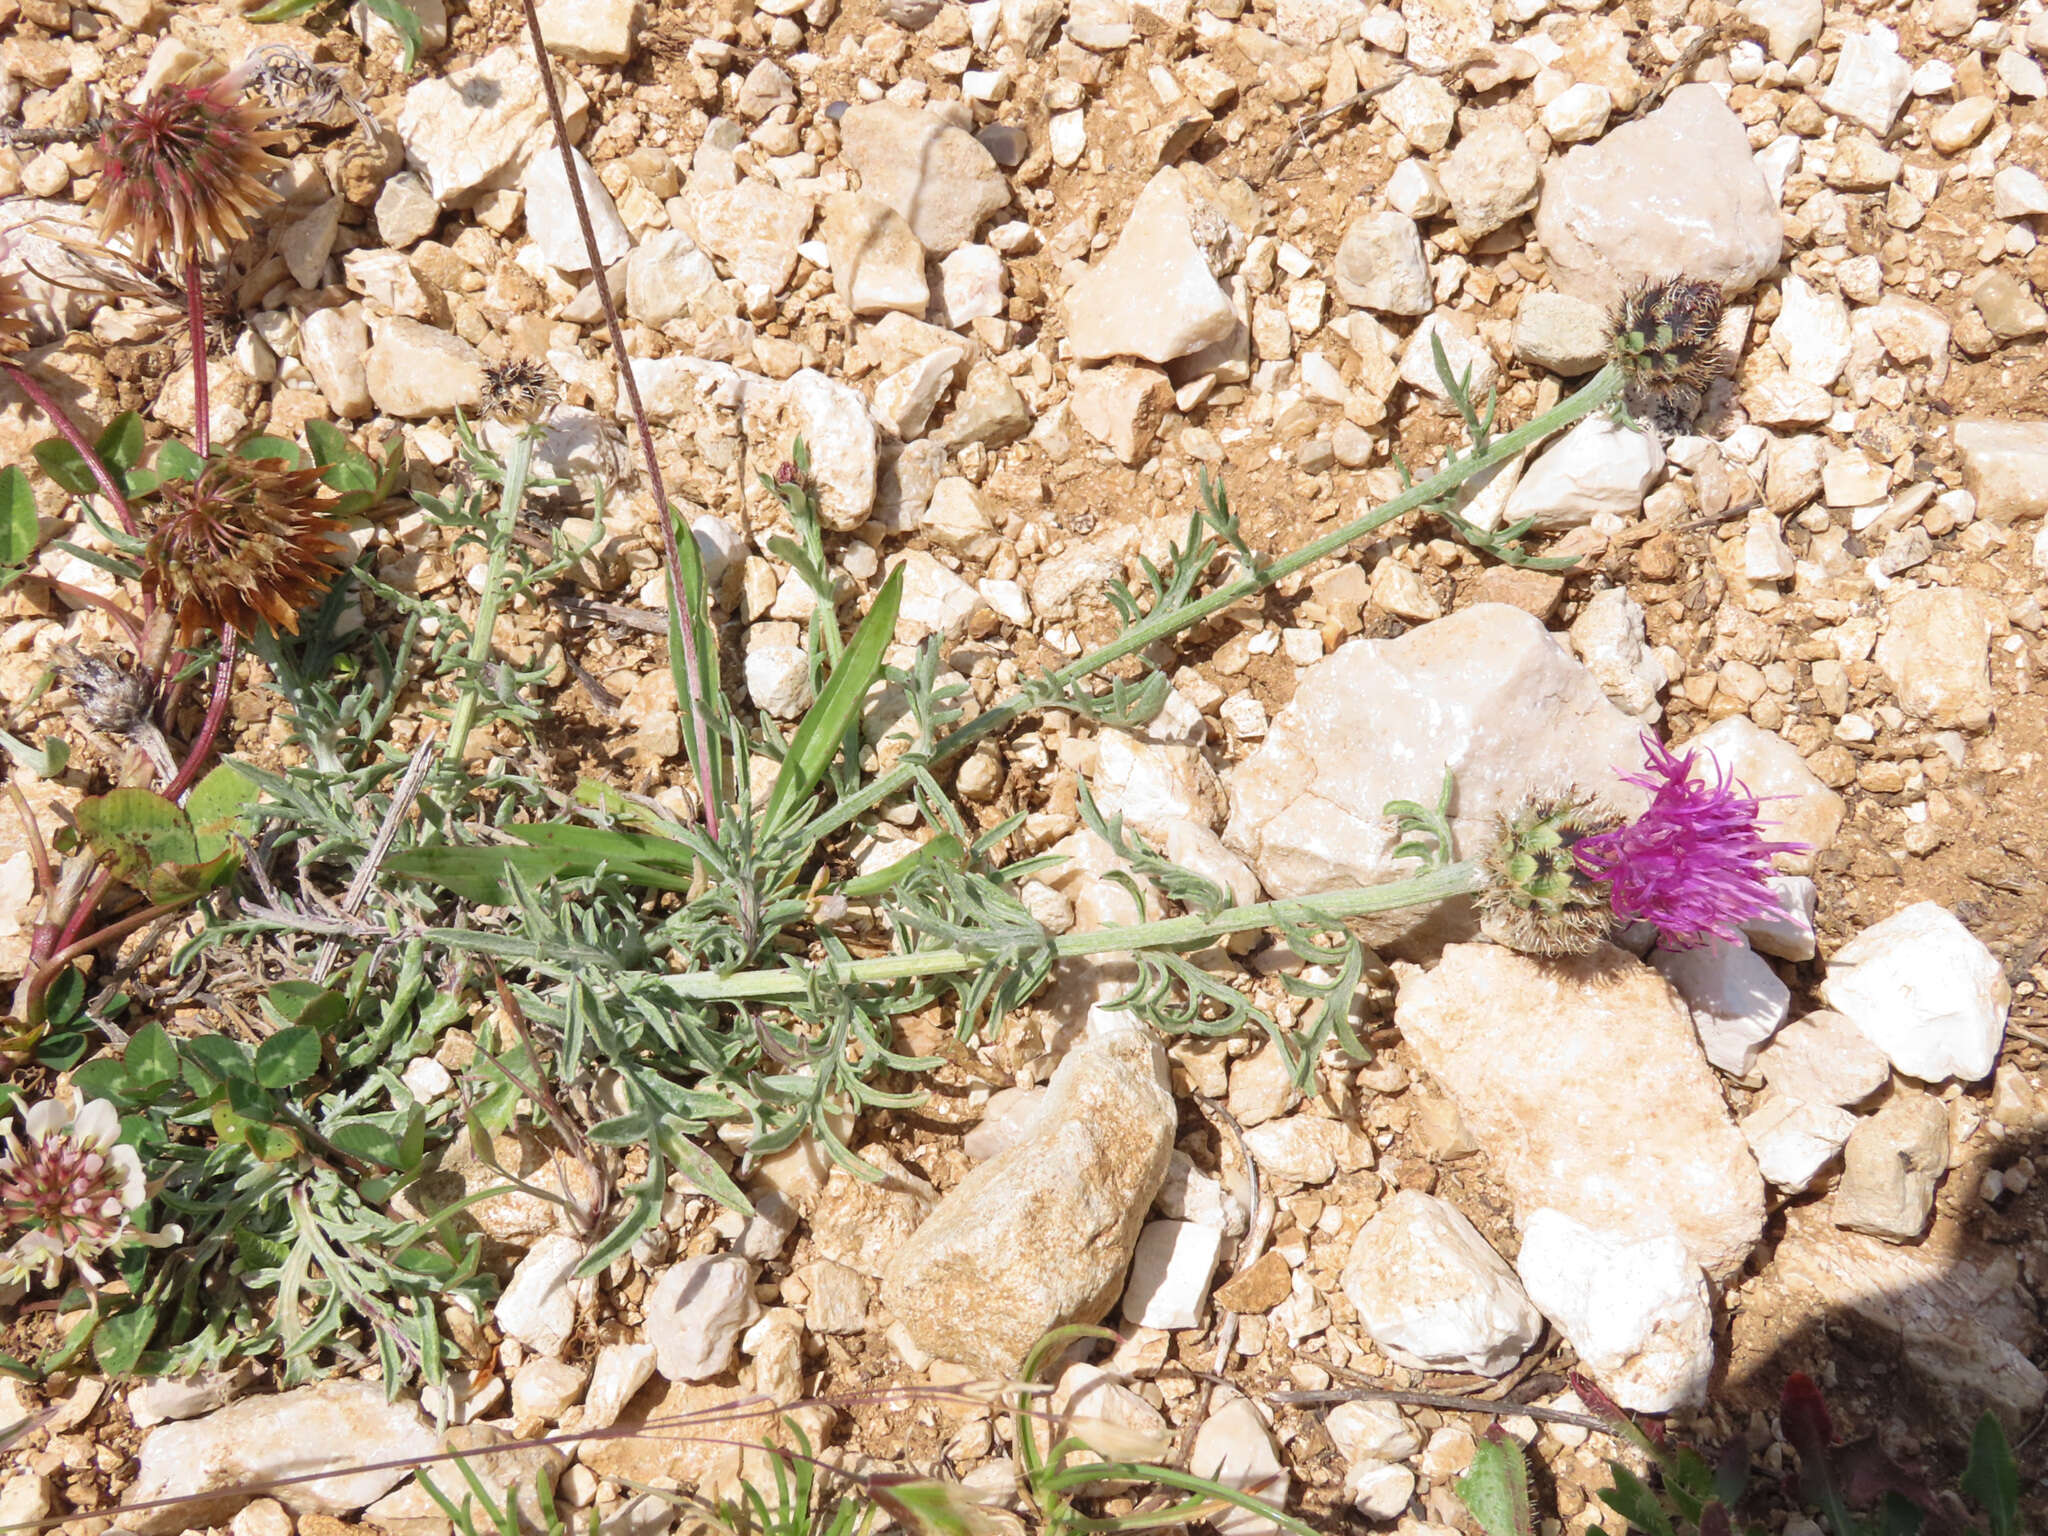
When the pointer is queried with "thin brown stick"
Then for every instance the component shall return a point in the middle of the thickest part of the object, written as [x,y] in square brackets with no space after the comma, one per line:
[1452,1402]
[358,890]
[671,554]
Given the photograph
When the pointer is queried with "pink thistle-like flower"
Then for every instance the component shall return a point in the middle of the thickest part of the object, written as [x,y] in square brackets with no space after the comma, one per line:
[71,1183]
[1693,863]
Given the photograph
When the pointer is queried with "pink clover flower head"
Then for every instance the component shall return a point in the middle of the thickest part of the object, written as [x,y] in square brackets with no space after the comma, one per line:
[70,1183]
[1694,863]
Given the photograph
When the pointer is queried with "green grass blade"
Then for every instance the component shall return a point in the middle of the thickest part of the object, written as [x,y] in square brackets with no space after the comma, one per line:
[824,726]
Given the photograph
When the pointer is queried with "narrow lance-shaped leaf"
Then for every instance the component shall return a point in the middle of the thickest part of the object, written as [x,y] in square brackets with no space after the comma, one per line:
[1992,1478]
[824,726]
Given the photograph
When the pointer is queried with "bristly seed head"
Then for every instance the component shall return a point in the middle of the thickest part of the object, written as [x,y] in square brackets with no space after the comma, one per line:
[1666,337]
[519,390]
[1537,898]
[113,699]
[248,542]
[186,173]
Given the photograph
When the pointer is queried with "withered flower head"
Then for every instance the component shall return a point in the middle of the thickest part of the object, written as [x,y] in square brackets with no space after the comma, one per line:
[1538,898]
[1666,337]
[185,173]
[246,543]
[519,391]
[113,699]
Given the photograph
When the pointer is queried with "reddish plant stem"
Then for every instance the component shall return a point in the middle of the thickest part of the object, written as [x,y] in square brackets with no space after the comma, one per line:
[195,323]
[216,713]
[39,982]
[68,430]
[670,553]
[81,914]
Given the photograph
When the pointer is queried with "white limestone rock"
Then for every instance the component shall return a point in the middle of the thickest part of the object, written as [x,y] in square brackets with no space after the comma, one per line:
[1924,990]
[1042,1234]
[551,215]
[936,175]
[1824,1059]
[475,130]
[695,1314]
[1433,1294]
[538,1306]
[1486,692]
[1871,82]
[1154,294]
[1550,1064]
[1382,266]
[1736,1000]
[1598,466]
[1610,638]
[1794,1140]
[1677,190]
[1635,1310]
[1170,1272]
[338,1424]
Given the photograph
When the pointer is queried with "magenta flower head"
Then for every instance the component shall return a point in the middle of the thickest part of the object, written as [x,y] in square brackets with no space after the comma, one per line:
[1693,863]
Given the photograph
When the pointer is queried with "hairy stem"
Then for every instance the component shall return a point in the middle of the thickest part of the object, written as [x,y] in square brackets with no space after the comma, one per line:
[518,463]
[195,325]
[68,430]
[1604,387]
[1176,933]
[216,715]
[700,717]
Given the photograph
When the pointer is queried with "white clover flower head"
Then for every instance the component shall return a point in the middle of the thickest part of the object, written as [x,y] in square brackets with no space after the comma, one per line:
[67,1179]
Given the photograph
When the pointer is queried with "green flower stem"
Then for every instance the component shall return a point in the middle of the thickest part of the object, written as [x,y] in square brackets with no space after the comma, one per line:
[1602,388]
[1177,933]
[518,463]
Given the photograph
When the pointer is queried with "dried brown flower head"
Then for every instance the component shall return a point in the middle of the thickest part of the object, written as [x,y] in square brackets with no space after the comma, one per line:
[185,174]
[519,390]
[1666,336]
[246,543]
[113,699]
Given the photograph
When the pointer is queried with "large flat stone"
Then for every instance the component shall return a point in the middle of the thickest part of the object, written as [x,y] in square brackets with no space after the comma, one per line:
[1487,693]
[1677,191]
[1584,1083]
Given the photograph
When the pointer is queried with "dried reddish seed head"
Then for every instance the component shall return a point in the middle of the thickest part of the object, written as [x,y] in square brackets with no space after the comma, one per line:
[248,543]
[186,173]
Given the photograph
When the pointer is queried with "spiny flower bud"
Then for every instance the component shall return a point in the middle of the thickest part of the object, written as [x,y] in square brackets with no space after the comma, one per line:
[519,391]
[1537,898]
[1666,337]
[185,174]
